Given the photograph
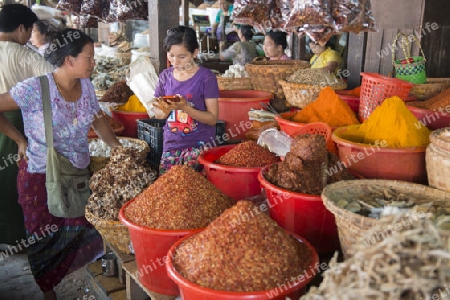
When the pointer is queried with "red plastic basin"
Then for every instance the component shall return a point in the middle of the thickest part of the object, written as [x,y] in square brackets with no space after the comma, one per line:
[375,162]
[292,128]
[430,118]
[302,214]
[351,100]
[237,183]
[192,291]
[128,119]
[150,249]
[233,109]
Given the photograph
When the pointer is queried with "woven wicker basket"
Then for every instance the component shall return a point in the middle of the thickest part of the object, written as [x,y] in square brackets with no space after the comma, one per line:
[431,88]
[234,83]
[352,226]
[437,158]
[300,95]
[114,232]
[266,74]
[99,162]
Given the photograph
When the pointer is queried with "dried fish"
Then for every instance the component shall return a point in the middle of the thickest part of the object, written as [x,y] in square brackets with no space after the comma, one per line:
[353,206]
[411,263]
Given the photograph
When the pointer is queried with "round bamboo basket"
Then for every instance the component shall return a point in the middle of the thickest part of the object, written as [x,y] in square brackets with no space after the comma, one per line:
[352,226]
[300,95]
[226,83]
[431,88]
[437,158]
[265,75]
[99,162]
[114,232]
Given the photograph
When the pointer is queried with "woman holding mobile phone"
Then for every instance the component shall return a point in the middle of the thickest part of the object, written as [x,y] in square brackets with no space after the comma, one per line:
[187,96]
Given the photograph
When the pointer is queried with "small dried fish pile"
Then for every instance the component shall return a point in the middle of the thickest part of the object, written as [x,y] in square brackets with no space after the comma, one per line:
[313,77]
[375,201]
[412,263]
[107,71]
[123,178]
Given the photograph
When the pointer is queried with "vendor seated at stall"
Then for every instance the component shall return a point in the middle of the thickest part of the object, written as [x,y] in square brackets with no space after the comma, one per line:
[275,44]
[243,51]
[222,17]
[324,57]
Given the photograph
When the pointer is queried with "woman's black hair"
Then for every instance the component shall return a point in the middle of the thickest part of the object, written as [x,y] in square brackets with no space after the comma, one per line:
[181,35]
[14,15]
[47,29]
[278,37]
[247,31]
[67,42]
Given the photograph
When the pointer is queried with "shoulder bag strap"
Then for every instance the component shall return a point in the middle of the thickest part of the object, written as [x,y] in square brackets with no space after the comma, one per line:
[45,91]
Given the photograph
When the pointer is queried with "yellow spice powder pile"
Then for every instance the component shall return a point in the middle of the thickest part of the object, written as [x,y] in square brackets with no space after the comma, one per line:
[392,122]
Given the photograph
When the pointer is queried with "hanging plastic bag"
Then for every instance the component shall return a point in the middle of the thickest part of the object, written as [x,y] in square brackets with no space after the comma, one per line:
[252,12]
[72,6]
[353,16]
[92,8]
[142,80]
[305,14]
[317,33]
[279,13]
[122,10]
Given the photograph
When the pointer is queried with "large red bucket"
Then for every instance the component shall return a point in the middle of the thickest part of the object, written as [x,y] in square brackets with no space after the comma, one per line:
[376,162]
[293,289]
[237,183]
[233,109]
[150,249]
[129,120]
[302,214]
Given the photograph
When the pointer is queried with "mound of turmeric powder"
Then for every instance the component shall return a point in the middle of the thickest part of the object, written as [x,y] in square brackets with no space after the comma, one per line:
[392,122]
[327,108]
[133,105]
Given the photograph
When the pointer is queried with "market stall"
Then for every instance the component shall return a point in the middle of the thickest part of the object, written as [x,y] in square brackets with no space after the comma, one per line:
[281,189]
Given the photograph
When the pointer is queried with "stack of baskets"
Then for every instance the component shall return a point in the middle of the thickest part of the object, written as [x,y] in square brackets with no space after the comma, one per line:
[114,232]
[300,95]
[431,88]
[227,83]
[265,75]
[353,226]
[99,162]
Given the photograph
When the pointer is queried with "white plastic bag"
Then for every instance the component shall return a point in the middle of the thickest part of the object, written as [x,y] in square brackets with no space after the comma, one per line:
[276,141]
[142,80]
[46,12]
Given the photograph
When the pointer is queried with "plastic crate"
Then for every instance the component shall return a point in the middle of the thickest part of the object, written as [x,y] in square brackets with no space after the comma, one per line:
[220,131]
[375,88]
[151,131]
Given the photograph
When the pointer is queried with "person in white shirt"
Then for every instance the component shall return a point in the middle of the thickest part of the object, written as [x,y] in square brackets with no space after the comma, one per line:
[17,64]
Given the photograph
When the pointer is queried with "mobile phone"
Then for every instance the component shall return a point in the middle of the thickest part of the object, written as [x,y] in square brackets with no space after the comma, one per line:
[174,98]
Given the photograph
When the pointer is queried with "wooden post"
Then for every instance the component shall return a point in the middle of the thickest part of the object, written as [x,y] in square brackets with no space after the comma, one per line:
[185,10]
[160,19]
[355,59]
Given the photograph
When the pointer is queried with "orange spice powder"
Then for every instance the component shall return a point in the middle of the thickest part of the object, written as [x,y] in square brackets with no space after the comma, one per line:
[327,108]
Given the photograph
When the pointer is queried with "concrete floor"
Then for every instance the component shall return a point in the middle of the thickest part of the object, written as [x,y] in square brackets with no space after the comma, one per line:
[17,282]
